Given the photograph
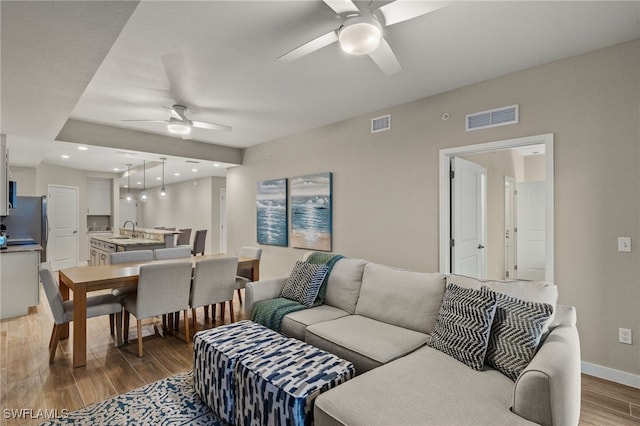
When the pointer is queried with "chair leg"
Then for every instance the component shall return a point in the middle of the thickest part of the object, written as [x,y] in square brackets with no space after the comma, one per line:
[164,322]
[187,335]
[231,311]
[140,353]
[119,329]
[126,326]
[206,312]
[222,312]
[176,320]
[111,325]
[239,295]
[195,321]
[55,337]
[213,312]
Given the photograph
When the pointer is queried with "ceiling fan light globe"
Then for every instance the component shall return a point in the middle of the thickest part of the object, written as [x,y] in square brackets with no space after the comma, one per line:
[360,38]
[179,128]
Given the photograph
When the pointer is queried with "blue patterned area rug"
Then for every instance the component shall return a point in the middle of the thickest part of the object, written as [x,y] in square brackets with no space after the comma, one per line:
[171,401]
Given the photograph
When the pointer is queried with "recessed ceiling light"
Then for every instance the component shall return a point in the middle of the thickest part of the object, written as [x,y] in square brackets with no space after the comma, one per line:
[138,183]
[158,178]
[65,156]
[83,148]
[216,165]
[176,174]
[194,170]
[126,186]
[115,169]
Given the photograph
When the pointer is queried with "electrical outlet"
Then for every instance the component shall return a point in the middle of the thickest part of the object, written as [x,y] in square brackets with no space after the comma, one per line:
[625,336]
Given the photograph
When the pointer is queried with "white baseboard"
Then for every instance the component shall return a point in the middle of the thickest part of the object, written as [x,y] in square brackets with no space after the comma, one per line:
[611,374]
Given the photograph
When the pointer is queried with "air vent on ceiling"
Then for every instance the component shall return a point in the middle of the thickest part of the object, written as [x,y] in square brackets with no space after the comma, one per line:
[380,124]
[492,118]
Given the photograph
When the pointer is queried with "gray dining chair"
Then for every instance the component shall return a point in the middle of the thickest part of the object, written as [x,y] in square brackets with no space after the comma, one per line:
[244,273]
[213,282]
[184,238]
[162,288]
[62,310]
[199,242]
[172,253]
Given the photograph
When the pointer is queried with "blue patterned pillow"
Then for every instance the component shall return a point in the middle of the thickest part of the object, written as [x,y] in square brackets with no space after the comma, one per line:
[463,324]
[304,282]
[515,334]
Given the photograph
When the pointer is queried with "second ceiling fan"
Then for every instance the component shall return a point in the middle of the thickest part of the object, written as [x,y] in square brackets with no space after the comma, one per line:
[361,30]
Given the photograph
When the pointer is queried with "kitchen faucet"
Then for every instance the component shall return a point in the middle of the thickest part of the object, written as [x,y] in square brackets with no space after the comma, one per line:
[133,232]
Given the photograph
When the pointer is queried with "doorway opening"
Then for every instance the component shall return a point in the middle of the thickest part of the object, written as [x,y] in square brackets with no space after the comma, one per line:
[500,244]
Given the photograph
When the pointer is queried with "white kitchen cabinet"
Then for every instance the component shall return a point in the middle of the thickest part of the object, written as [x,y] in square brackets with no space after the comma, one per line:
[99,197]
[4,176]
[19,282]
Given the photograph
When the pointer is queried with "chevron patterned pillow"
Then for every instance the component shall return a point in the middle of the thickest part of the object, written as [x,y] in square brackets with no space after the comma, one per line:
[515,334]
[463,324]
[304,282]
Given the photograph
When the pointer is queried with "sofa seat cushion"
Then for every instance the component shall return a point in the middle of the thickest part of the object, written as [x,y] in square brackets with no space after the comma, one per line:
[426,387]
[295,323]
[365,342]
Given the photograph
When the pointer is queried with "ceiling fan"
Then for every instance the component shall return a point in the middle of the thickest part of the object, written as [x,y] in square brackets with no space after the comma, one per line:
[179,124]
[361,30]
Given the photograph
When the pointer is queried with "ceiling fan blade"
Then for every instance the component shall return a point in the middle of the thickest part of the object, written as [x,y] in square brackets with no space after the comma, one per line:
[311,46]
[384,57]
[173,112]
[148,121]
[342,6]
[210,126]
[175,67]
[403,10]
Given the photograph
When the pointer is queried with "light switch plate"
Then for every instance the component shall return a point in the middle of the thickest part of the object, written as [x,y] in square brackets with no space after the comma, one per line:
[624,244]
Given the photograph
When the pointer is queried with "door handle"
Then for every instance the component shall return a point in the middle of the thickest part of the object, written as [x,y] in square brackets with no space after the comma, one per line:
[480,246]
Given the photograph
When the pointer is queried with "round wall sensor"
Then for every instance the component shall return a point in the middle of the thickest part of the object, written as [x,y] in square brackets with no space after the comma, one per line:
[445,116]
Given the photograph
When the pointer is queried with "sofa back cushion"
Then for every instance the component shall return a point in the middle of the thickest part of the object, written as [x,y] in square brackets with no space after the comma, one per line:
[404,298]
[529,291]
[343,286]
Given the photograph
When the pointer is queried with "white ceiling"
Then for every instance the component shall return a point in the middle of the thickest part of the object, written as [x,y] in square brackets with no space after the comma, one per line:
[104,62]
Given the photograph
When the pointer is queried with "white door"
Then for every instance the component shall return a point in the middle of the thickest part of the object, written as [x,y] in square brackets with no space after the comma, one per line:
[531,231]
[223,220]
[62,214]
[509,227]
[128,211]
[468,222]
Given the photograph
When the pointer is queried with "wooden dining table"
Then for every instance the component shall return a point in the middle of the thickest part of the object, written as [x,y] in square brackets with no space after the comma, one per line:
[84,279]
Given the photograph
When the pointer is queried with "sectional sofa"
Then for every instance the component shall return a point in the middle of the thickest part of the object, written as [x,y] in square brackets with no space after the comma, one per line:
[386,321]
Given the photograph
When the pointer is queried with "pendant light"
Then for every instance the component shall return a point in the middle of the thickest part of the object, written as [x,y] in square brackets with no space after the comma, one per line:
[129,197]
[143,194]
[163,192]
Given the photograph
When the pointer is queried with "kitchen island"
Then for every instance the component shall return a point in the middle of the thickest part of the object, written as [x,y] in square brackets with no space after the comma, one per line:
[102,246]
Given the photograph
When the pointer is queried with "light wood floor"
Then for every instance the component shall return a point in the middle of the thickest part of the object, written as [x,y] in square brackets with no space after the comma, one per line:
[28,381]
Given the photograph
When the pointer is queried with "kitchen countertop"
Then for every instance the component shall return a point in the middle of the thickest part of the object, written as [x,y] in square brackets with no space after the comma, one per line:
[126,241]
[22,248]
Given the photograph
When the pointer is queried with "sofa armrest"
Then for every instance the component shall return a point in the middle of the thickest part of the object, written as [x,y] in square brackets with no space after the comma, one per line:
[262,290]
[548,390]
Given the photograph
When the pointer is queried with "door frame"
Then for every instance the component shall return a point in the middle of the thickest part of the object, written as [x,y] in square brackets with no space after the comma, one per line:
[445,194]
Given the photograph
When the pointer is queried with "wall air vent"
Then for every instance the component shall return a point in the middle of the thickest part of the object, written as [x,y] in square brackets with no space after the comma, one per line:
[380,124]
[492,118]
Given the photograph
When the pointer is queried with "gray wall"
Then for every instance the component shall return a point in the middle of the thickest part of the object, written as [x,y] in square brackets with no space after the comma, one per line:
[386,184]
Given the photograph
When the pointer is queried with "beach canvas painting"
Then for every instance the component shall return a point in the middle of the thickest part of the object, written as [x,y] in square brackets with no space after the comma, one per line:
[271,218]
[311,212]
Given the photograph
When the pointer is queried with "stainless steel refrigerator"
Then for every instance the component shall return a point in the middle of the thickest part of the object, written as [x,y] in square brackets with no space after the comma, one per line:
[27,223]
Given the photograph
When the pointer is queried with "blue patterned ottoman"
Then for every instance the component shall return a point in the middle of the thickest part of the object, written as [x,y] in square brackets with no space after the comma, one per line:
[279,385]
[216,351]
